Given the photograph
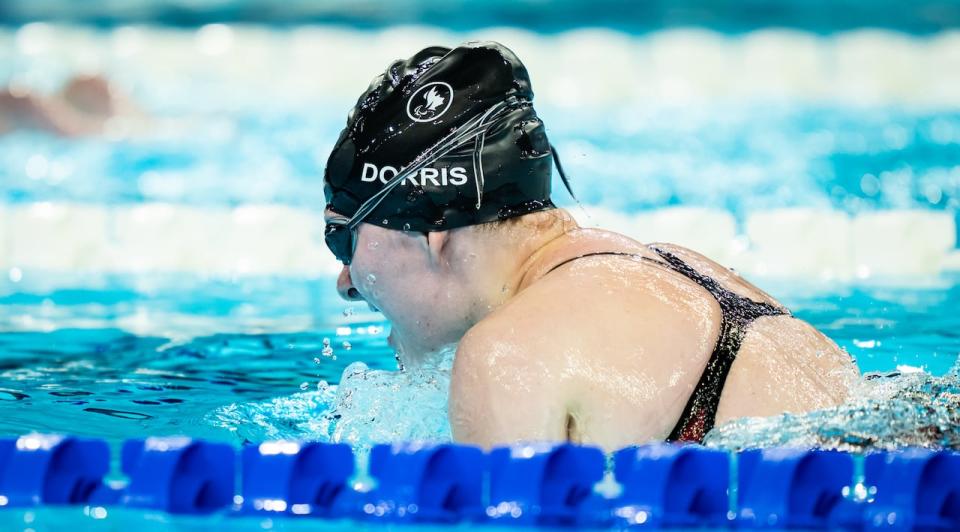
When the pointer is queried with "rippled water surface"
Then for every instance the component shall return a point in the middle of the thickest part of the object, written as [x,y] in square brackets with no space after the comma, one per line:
[736,157]
[337,380]
[250,358]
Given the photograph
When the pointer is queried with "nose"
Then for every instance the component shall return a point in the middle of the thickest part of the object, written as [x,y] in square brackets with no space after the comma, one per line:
[345,286]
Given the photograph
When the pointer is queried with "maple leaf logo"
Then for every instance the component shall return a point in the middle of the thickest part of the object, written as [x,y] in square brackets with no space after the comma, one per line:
[430,102]
[434,99]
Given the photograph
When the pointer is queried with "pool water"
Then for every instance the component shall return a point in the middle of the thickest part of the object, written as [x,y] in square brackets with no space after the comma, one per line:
[174,280]
[340,382]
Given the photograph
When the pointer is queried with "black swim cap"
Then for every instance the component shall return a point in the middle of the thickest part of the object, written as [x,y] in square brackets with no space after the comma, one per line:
[459,129]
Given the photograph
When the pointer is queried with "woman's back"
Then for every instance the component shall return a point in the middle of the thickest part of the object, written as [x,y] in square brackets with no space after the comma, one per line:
[617,339]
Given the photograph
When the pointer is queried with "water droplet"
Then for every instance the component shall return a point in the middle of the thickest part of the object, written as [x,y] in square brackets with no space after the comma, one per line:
[347,345]
[304,386]
[406,227]
[373,245]
[385,221]
[316,360]
[326,342]
[347,312]
[371,278]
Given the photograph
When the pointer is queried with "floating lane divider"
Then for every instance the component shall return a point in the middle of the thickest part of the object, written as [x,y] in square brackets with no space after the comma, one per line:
[551,485]
[915,488]
[440,483]
[178,475]
[295,478]
[44,469]
[668,485]
[544,484]
[791,488]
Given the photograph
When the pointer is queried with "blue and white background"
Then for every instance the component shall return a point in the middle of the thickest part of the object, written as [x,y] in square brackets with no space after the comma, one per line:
[814,146]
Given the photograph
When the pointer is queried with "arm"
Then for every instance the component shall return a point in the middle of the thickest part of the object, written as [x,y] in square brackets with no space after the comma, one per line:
[500,393]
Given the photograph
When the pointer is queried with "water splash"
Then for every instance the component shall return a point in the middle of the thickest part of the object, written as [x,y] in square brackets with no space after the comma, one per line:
[327,350]
[366,408]
[884,412]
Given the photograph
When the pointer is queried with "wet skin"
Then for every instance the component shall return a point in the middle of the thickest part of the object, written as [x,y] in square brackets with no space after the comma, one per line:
[603,350]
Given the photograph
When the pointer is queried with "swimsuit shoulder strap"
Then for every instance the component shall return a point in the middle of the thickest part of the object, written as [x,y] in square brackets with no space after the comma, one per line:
[618,253]
[737,312]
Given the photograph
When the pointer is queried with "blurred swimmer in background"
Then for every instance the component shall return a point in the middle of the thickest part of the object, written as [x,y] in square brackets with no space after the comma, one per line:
[439,207]
[83,107]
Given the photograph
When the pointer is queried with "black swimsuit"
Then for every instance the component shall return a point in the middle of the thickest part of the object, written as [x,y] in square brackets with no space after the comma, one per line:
[737,312]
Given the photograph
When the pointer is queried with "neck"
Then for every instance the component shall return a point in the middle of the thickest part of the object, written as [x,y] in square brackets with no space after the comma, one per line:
[486,268]
[511,255]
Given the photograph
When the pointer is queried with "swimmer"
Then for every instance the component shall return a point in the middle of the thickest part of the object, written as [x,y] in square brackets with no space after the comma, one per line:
[82,108]
[439,207]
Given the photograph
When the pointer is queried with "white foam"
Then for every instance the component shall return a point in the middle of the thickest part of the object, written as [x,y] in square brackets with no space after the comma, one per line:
[582,68]
[911,242]
[952,261]
[799,243]
[165,237]
[831,245]
[58,236]
[782,62]
[602,217]
[709,231]
[260,239]
[247,240]
[4,240]
[682,65]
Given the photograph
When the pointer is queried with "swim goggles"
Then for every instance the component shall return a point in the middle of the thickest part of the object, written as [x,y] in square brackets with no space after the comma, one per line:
[341,235]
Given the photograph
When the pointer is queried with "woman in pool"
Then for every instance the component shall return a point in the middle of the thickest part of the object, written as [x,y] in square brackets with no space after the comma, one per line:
[439,207]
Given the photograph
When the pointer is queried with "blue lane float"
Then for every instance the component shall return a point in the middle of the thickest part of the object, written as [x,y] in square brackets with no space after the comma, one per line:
[47,469]
[426,482]
[915,488]
[544,484]
[672,486]
[178,475]
[791,488]
[295,478]
[657,485]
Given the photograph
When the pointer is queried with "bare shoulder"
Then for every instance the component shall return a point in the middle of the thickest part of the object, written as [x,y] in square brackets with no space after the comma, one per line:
[497,389]
[727,277]
[584,341]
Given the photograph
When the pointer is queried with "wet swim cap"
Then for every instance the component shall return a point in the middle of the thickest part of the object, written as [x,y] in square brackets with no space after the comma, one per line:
[445,139]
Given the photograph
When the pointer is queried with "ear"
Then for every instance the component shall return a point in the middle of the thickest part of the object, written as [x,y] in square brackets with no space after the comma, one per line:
[436,241]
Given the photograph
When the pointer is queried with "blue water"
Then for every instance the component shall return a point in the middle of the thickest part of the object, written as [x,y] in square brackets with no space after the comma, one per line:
[729,15]
[737,157]
[250,387]
[246,359]
[192,373]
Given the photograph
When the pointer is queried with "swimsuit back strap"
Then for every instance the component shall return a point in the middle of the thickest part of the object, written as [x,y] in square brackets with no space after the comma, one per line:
[617,253]
[737,312]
